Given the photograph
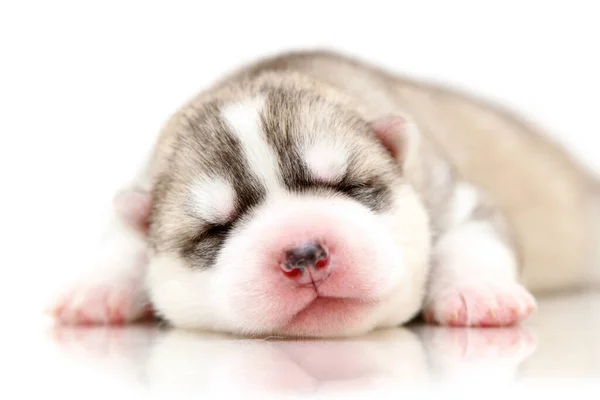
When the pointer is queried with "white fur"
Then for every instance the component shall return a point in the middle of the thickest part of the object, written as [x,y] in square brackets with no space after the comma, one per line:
[193,299]
[114,283]
[213,199]
[181,293]
[327,161]
[222,298]
[464,200]
[243,119]
[471,248]
[441,173]
[474,274]
[473,251]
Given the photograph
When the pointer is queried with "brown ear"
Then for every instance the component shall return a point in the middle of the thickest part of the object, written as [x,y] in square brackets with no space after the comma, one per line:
[134,208]
[399,136]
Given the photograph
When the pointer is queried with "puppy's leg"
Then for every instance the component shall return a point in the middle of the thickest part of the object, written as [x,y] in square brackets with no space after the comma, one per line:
[473,280]
[113,291]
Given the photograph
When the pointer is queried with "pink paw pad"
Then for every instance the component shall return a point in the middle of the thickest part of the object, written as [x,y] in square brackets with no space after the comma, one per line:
[482,305]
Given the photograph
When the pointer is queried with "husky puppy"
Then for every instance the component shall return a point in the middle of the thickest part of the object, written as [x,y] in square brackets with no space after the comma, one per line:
[312,194]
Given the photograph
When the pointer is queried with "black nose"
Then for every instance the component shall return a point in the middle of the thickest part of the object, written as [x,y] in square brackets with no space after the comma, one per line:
[310,255]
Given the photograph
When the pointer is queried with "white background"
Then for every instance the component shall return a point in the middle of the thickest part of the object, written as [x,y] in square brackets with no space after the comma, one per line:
[85,87]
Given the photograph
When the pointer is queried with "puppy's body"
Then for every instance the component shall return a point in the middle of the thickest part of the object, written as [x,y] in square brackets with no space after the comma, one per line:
[473,201]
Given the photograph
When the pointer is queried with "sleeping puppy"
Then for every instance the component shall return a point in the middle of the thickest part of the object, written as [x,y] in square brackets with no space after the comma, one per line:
[311,194]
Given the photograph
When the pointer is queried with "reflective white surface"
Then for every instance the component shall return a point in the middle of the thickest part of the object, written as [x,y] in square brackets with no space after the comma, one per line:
[83,87]
[557,349]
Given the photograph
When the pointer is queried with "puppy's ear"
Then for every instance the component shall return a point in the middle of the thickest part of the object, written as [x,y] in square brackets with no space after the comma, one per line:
[399,136]
[134,208]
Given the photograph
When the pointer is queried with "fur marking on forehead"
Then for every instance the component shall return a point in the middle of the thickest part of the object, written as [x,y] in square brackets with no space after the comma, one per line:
[327,161]
[213,199]
[244,121]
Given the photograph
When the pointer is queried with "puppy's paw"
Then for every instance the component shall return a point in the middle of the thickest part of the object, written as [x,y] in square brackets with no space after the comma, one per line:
[102,303]
[113,295]
[483,304]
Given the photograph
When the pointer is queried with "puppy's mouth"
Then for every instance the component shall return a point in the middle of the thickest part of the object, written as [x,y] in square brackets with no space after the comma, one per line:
[325,316]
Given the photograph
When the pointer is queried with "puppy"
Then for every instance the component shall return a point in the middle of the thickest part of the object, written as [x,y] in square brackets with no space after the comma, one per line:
[312,194]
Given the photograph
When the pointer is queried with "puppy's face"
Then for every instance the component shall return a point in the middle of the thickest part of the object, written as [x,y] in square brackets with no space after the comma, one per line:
[284,214]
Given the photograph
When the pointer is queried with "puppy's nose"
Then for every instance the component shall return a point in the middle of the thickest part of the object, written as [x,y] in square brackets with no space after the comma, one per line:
[306,264]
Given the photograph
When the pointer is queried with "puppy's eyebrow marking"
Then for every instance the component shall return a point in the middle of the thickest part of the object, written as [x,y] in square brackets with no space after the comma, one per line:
[212,199]
[244,121]
[327,161]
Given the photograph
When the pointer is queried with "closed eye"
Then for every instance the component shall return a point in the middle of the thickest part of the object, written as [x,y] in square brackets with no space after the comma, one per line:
[218,229]
[211,231]
[206,244]
[371,194]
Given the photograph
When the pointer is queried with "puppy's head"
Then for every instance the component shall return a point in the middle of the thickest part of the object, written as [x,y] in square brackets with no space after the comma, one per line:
[283,213]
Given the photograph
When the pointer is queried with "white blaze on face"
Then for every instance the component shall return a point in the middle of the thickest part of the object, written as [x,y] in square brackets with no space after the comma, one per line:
[243,119]
[213,199]
[327,161]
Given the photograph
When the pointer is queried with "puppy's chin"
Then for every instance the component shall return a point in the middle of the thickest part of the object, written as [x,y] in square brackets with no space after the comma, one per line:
[374,275]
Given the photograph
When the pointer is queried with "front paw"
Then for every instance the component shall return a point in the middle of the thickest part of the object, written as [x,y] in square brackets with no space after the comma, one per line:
[112,294]
[484,304]
[115,301]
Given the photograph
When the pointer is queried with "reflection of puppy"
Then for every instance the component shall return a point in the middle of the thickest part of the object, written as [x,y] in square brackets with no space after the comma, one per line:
[182,362]
[485,356]
[176,361]
[286,200]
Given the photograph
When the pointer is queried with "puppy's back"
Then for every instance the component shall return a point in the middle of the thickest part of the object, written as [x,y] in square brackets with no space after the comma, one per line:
[549,199]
